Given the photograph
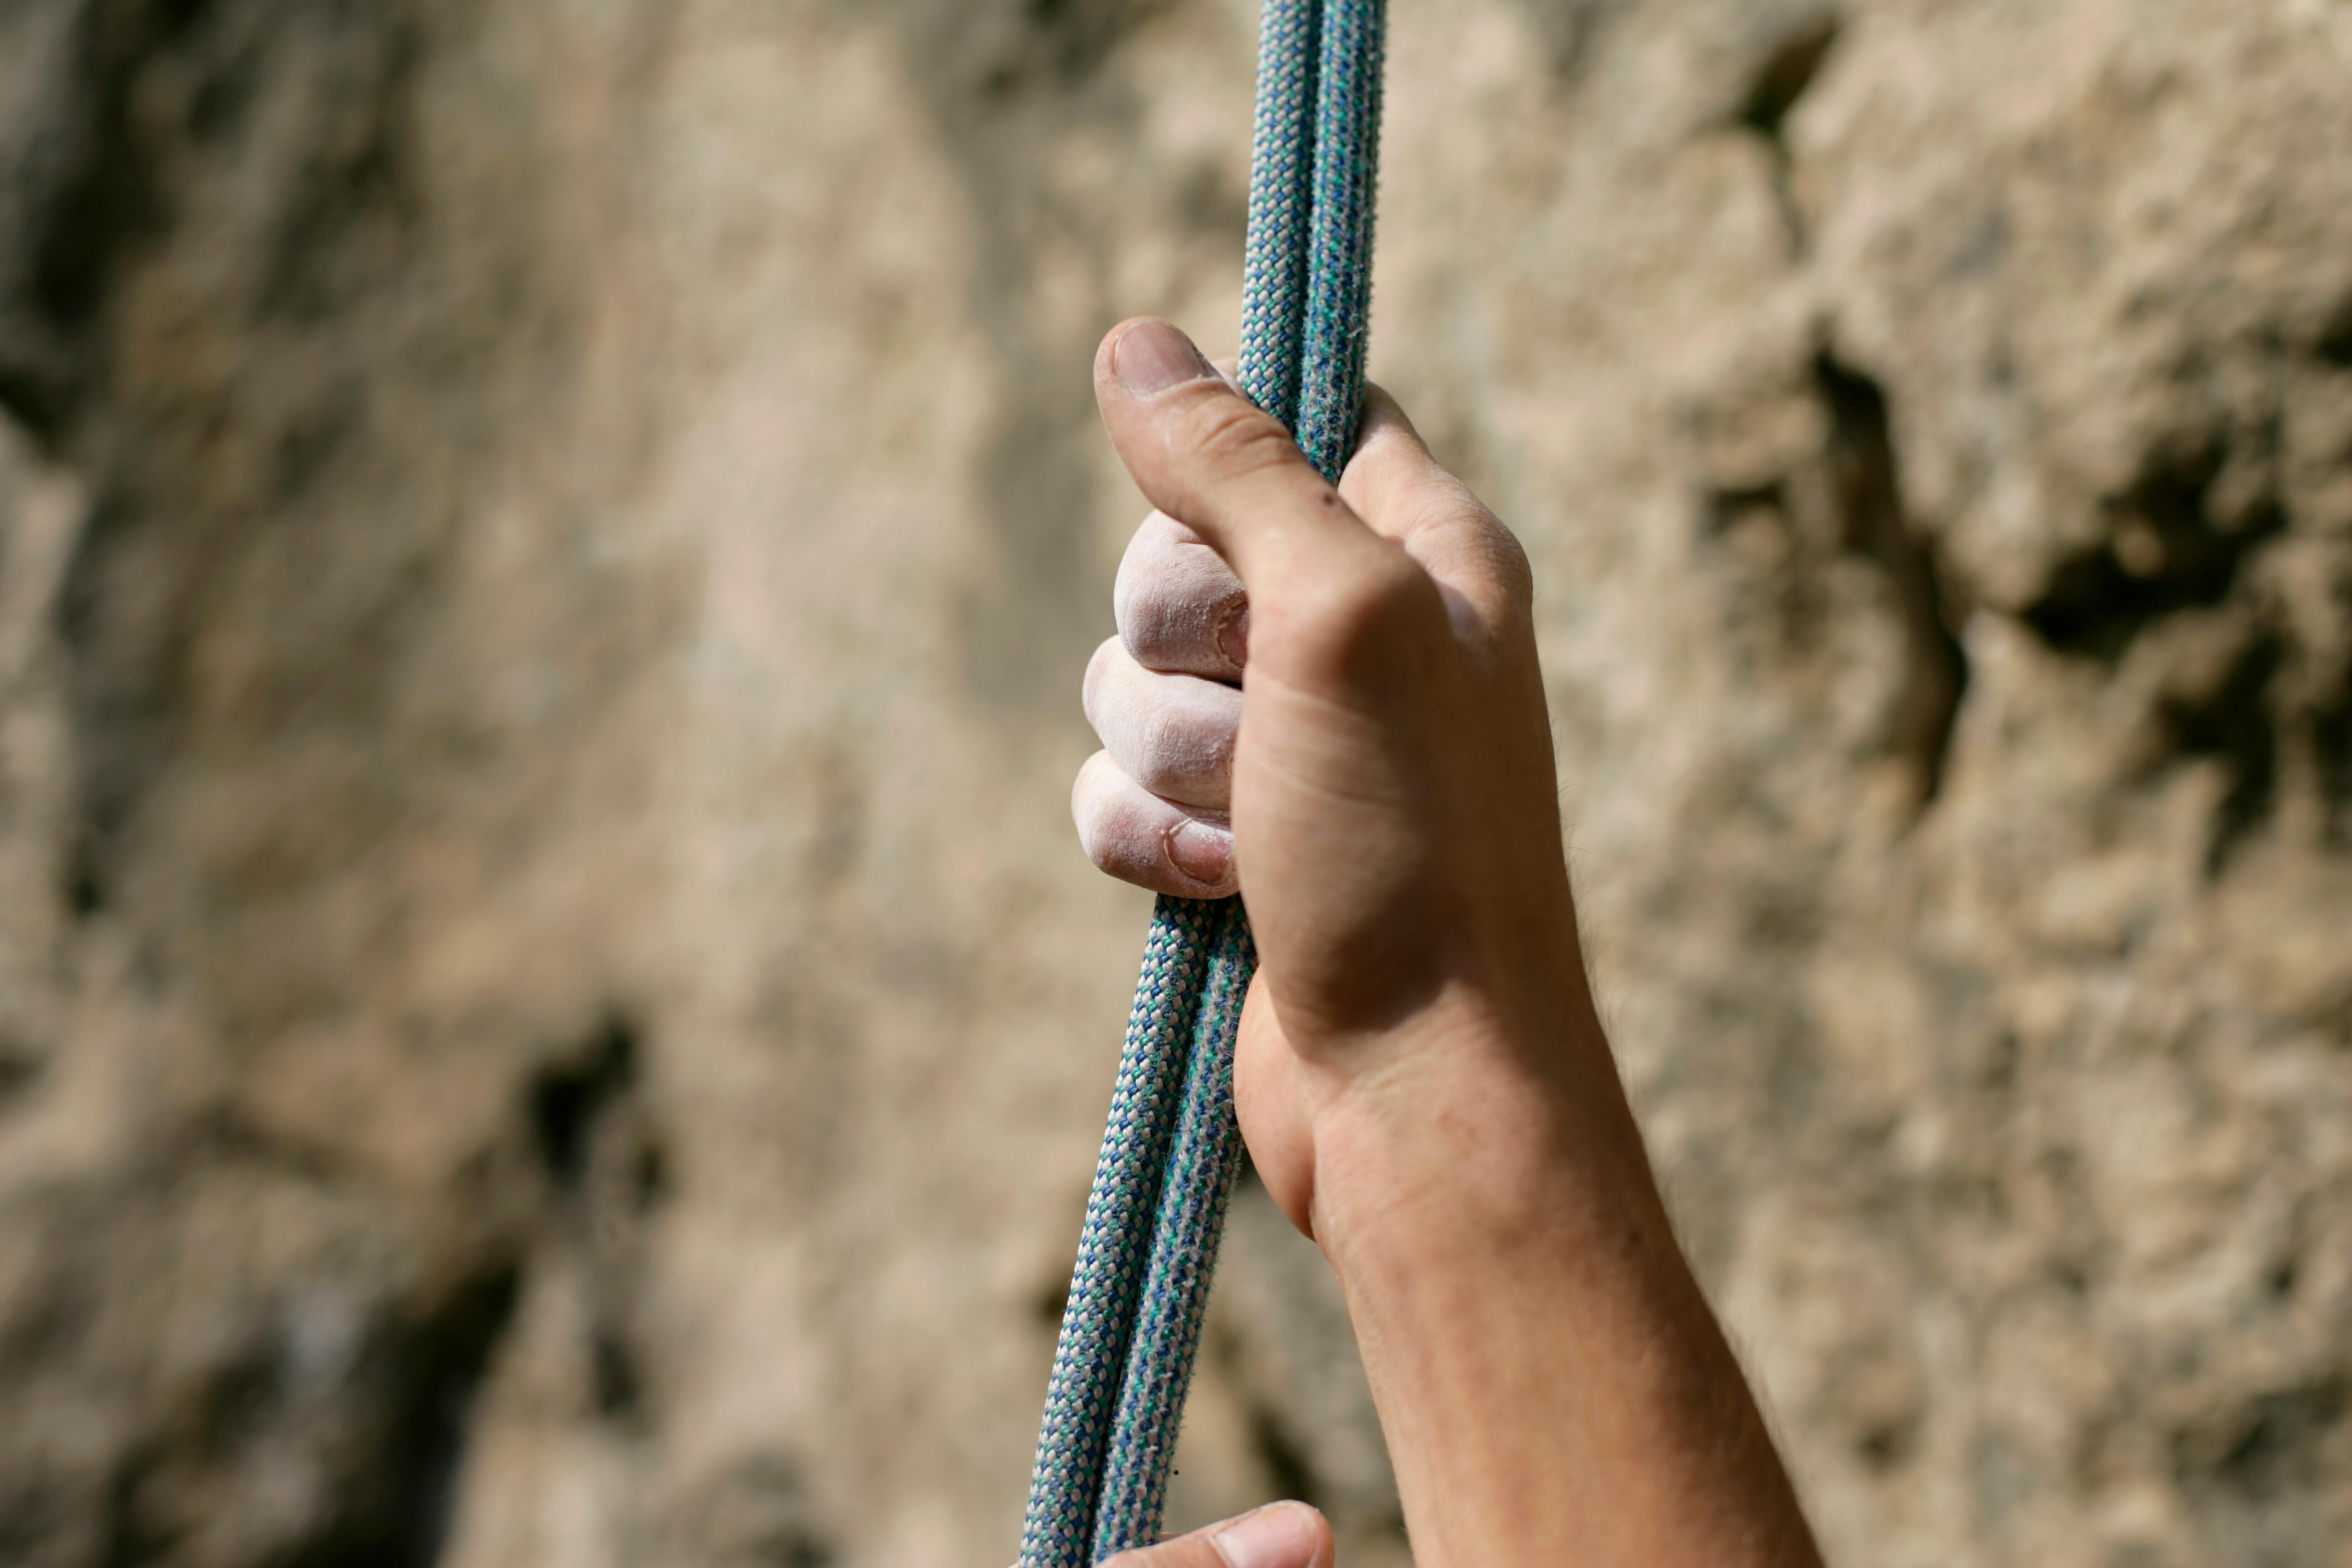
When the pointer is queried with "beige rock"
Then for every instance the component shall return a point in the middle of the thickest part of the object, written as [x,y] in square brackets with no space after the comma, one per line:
[549,1010]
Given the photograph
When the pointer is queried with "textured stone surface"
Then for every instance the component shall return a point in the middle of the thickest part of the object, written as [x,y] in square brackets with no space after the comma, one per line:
[549,1013]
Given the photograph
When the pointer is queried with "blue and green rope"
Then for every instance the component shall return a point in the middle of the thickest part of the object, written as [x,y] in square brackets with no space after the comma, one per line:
[1170,1149]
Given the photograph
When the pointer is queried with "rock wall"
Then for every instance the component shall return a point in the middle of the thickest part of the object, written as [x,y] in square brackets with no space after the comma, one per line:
[548,1011]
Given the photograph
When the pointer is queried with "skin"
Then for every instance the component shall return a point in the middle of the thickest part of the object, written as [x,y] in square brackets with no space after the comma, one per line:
[1329,699]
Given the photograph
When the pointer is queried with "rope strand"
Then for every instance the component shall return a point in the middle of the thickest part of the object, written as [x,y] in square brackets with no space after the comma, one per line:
[1281,205]
[1171,1150]
[1114,1243]
[1203,1160]
[1339,258]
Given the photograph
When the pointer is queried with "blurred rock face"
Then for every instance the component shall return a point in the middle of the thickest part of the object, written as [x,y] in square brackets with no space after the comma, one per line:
[549,1010]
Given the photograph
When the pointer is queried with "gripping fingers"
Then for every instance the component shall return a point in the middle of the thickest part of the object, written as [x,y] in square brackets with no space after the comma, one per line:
[1180,606]
[1335,609]
[1139,837]
[1208,457]
[1173,735]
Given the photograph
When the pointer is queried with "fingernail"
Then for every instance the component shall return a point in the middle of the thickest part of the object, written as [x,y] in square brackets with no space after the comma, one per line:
[1152,357]
[1232,636]
[1201,852]
[1279,1535]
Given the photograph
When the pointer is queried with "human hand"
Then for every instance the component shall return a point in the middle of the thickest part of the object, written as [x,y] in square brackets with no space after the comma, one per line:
[1383,794]
[1421,1077]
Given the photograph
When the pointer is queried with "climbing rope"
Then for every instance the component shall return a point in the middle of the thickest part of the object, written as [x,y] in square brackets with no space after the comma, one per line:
[1170,1149]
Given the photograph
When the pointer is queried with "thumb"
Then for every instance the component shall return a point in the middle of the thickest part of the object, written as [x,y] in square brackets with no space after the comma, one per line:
[1212,459]
[1279,1535]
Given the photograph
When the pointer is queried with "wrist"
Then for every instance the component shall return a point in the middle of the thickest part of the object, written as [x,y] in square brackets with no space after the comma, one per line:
[1546,1367]
[1477,1127]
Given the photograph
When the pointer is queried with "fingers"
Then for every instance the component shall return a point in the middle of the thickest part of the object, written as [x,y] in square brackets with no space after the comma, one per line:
[1400,490]
[1180,606]
[1173,735]
[1139,837]
[1207,456]
[1279,1535]
[1313,558]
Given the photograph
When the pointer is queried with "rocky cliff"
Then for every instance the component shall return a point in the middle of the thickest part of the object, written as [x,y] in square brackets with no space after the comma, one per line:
[550,1013]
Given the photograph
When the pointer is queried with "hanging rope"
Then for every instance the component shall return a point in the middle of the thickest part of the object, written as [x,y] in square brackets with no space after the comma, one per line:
[1170,1149]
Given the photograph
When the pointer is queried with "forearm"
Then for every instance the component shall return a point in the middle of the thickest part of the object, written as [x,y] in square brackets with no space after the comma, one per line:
[1416,1081]
[1552,1383]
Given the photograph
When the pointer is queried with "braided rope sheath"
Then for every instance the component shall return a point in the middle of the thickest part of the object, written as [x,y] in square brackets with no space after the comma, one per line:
[1340,254]
[1281,205]
[1202,1160]
[1132,1329]
[1205,1155]
[1114,1243]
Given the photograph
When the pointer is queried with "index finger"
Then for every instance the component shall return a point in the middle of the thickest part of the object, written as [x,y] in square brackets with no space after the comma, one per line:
[1401,490]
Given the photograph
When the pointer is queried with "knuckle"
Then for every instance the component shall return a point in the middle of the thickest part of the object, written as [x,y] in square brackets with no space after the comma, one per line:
[1386,603]
[1432,497]
[1181,745]
[1131,602]
[1232,437]
[1102,833]
[1117,826]
[1442,507]
[1153,640]
[1094,687]
[1102,662]
[1384,465]
[1507,558]
[1153,626]
[1093,840]
[1171,603]
[1137,592]
[1085,790]
[1103,849]
[1159,745]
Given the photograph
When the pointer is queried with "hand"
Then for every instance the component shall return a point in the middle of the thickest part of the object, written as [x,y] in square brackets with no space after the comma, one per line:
[1385,795]
[1422,1079]
[1279,1535]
